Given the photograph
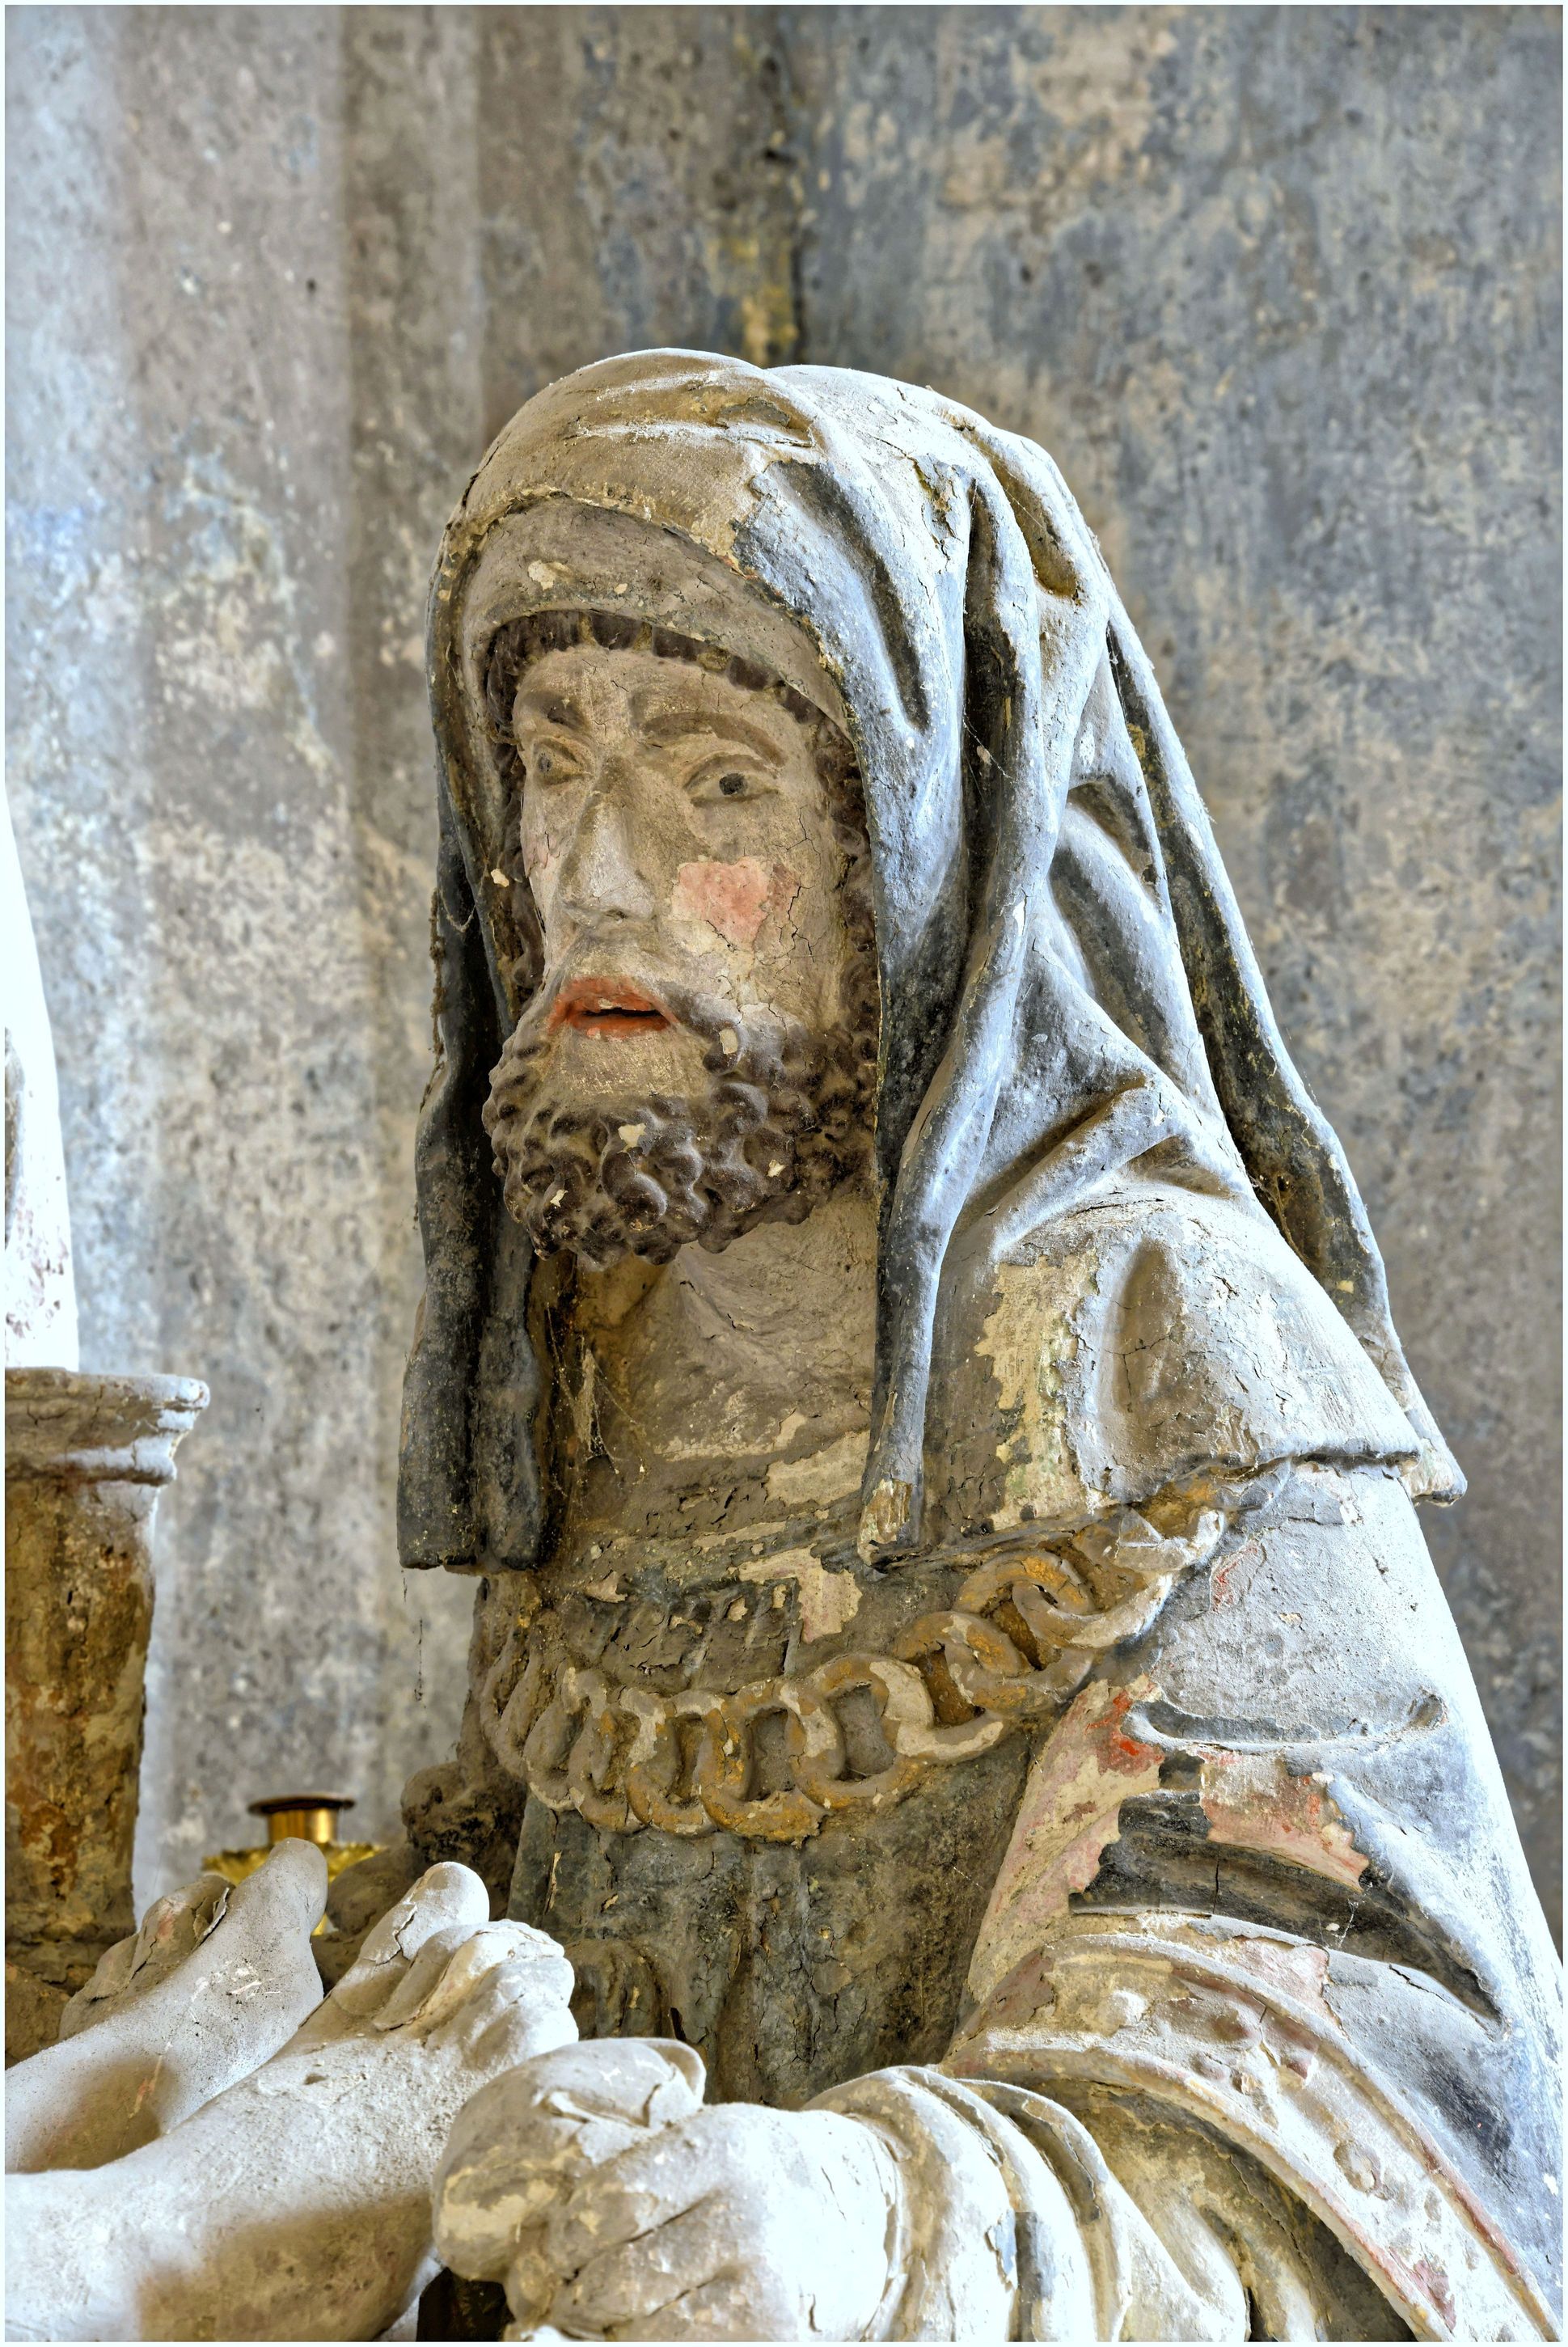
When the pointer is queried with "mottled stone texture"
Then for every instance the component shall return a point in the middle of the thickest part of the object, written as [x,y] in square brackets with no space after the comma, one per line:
[1277,287]
[85,1459]
[222,770]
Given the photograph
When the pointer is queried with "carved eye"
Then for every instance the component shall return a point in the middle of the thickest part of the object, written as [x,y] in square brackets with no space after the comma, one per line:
[551,764]
[732,783]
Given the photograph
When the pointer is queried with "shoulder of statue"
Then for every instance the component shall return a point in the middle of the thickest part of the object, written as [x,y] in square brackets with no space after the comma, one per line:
[1154,1335]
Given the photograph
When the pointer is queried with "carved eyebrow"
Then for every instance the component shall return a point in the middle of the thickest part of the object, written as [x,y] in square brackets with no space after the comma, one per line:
[678,725]
[554,708]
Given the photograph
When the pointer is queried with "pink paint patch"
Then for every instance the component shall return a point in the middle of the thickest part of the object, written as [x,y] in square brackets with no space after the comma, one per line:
[1070,1811]
[1435,2282]
[1224,1589]
[733,898]
[1292,1971]
[1251,1801]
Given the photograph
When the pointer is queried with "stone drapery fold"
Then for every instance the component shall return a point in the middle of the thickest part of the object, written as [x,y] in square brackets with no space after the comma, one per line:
[1067,989]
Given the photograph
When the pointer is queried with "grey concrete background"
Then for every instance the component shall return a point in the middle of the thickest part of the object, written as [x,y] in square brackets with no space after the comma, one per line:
[1278,287]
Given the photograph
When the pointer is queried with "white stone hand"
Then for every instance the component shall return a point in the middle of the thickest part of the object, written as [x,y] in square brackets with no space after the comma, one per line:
[523,2143]
[215,1982]
[739,2222]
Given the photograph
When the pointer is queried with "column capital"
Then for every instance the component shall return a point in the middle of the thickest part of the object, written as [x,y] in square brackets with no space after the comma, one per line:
[74,1426]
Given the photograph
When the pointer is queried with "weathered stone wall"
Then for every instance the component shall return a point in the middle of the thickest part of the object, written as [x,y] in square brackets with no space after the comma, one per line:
[221,776]
[1278,288]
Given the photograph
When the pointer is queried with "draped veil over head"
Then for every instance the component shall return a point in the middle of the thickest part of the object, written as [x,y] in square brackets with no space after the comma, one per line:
[1067,987]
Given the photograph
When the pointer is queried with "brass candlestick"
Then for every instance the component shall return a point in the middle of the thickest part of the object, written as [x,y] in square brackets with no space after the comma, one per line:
[295,1817]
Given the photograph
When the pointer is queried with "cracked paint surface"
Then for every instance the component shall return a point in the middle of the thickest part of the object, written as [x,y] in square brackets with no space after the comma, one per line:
[1253,1801]
[828,1601]
[734,899]
[1090,1764]
[1030,1360]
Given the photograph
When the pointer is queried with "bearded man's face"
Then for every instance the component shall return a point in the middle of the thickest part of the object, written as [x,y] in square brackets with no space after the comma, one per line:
[698,1055]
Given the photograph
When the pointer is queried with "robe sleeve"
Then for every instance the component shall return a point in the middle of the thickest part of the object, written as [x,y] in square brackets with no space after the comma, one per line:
[1259,2028]
[1013,2226]
[1209,2165]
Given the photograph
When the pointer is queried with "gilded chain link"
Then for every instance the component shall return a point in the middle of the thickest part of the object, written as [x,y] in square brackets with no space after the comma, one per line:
[1021,1637]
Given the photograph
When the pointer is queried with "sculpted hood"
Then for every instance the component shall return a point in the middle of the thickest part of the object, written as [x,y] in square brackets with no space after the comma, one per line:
[1070,1008]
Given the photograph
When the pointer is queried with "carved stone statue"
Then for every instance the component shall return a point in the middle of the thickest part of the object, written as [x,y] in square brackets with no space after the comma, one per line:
[955,1665]
[910,1365]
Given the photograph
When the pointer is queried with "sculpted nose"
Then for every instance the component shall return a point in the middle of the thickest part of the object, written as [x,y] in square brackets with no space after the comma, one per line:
[600,875]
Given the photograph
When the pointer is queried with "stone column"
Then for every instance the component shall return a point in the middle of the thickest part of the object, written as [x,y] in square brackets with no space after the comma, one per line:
[85,1459]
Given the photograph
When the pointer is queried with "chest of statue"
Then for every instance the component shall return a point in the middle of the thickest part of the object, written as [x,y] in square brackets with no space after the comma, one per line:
[791,1967]
[762,1811]
[770,1787]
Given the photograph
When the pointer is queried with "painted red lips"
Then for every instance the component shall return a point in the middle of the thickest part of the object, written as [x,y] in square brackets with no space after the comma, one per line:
[606,1006]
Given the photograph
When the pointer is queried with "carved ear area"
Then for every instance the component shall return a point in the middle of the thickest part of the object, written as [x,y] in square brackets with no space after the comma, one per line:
[887,1520]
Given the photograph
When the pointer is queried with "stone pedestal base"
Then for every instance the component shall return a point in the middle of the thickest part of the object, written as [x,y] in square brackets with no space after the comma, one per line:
[85,1459]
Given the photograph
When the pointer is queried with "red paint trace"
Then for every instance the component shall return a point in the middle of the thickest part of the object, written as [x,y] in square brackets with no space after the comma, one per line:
[606,1006]
[1116,1750]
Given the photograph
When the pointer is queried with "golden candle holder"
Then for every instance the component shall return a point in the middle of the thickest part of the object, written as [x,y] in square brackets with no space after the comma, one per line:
[295,1817]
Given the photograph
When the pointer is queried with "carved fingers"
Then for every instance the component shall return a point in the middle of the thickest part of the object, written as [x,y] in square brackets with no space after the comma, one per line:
[739,2222]
[445,1895]
[171,1927]
[522,2144]
[592,2183]
[510,1962]
[436,1963]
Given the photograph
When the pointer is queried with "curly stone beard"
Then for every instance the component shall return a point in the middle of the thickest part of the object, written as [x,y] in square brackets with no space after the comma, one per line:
[781,1120]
